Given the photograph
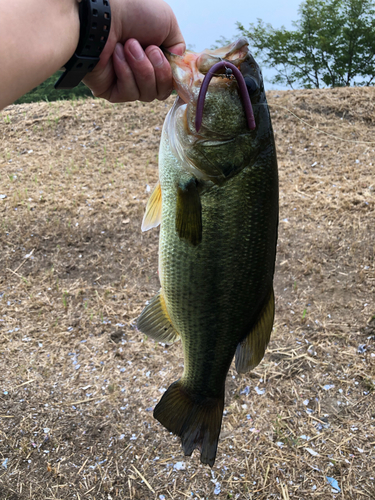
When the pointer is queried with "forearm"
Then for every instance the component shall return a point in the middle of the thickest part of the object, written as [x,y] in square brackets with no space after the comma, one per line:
[37,37]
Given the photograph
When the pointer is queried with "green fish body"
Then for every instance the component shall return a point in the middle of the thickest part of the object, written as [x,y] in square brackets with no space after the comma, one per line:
[218,205]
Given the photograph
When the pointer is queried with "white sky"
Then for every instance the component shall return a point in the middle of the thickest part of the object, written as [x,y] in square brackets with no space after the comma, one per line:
[202,22]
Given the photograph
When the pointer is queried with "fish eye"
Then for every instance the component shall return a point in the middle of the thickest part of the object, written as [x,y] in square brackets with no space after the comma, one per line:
[251,85]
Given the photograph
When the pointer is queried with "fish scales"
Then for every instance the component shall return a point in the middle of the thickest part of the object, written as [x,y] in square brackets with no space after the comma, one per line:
[217,247]
[207,289]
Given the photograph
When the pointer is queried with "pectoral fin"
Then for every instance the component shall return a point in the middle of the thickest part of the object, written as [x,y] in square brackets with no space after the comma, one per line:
[155,322]
[251,350]
[189,213]
[152,217]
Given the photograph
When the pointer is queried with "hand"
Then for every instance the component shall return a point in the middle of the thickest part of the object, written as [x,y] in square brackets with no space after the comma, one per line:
[132,67]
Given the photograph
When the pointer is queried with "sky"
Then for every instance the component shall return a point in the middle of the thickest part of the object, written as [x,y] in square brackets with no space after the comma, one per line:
[202,22]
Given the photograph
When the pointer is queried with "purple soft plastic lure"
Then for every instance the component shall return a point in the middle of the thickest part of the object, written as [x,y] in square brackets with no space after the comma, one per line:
[242,88]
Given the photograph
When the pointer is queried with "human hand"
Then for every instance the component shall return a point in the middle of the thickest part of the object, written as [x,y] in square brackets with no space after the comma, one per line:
[132,66]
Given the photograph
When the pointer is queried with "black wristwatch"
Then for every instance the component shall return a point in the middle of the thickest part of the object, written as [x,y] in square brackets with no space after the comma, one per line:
[95,23]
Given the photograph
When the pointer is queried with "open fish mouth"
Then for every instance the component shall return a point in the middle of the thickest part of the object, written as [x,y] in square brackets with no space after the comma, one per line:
[243,90]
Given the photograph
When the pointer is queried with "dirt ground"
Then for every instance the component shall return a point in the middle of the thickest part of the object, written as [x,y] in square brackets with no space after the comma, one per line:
[78,383]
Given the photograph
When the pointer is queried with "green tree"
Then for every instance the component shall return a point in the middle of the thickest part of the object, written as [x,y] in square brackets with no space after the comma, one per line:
[332,45]
[46,92]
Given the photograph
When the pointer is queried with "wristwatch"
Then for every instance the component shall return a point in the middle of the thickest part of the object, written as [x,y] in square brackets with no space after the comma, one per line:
[95,24]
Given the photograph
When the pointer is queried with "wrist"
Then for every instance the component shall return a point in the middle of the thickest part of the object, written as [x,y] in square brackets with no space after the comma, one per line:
[74,26]
[95,24]
[63,30]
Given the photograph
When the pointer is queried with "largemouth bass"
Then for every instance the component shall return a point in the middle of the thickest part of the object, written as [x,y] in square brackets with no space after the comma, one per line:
[217,202]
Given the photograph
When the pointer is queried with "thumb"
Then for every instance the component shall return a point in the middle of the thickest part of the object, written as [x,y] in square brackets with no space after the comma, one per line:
[175,41]
[178,48]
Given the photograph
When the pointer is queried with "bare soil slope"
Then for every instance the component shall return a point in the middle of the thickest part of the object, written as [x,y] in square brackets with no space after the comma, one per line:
[78,383]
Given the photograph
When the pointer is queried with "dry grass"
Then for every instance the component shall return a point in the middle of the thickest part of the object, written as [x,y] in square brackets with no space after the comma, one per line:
[77,383]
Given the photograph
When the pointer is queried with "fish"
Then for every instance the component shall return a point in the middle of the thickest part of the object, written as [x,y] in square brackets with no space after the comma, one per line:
[217,205]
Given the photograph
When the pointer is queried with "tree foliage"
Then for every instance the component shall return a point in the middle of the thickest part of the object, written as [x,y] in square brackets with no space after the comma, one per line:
[332,45]
[47,92]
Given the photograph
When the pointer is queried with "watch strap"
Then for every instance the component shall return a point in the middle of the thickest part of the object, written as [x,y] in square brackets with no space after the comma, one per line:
[95,24]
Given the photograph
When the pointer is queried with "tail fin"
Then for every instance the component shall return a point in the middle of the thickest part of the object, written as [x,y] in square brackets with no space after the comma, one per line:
[196,419]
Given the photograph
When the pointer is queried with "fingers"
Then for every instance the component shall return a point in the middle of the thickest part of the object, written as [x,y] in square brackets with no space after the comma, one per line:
[126,71]
[163,72]
[141,74]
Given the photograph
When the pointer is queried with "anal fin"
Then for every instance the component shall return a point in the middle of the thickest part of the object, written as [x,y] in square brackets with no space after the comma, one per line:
[154,321]
[195,419]
[152,217]
[251,350]
[189,213]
